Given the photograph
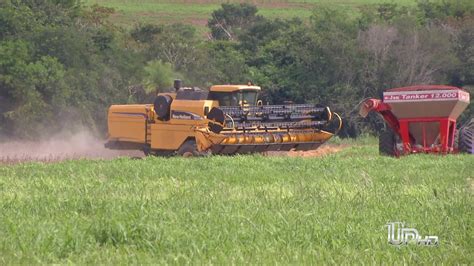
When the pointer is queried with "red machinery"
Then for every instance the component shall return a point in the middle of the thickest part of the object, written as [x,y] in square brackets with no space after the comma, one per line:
[420,119]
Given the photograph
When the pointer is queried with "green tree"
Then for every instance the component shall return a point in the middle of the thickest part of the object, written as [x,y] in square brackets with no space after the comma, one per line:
[230,20]
[159,76]
[439,10]
[61,72]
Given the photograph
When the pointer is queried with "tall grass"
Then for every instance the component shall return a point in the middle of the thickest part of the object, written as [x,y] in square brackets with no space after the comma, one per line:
[237,209]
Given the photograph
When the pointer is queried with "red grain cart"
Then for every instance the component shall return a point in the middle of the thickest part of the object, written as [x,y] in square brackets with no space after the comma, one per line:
[420,119]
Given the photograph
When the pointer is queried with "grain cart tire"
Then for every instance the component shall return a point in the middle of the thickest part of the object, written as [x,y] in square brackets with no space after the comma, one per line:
[387,143]
[188,149]
[162,105]
[457,134]
[466,138]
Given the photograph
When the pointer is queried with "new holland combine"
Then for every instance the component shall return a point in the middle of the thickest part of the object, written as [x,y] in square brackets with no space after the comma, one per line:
[226,119]
[422,119]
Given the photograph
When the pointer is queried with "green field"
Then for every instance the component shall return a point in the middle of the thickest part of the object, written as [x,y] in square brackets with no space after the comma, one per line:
[243,209]
[197,12]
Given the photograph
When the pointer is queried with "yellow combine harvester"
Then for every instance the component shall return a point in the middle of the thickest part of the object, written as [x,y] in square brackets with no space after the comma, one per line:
[227,119]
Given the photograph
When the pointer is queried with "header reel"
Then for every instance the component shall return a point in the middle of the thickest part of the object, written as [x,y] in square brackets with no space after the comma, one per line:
[246,129]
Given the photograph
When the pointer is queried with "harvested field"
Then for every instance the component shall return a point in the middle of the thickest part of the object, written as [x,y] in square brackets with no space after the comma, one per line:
[322,151]
[85,146]
[82,145]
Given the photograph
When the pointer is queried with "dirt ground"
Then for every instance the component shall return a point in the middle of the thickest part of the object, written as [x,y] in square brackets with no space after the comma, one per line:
[84,145]
[59,148]
[321,151]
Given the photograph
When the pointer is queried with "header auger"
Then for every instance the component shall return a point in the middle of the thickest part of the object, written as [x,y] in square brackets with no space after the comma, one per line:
[227,119]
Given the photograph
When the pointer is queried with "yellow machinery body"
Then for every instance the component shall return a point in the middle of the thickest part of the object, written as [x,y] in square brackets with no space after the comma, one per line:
[226,119]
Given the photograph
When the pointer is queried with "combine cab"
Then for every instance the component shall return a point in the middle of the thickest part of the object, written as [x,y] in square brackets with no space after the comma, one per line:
[420,119]
[227,119]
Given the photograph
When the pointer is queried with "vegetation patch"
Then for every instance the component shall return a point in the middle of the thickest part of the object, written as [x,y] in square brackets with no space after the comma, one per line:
[242,209]
[165,11]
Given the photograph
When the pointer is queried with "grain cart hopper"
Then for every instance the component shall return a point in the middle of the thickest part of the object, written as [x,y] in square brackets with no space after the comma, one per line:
[226,119]
[419,119]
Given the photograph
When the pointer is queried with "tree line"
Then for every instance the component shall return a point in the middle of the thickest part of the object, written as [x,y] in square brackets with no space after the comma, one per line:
[62,64]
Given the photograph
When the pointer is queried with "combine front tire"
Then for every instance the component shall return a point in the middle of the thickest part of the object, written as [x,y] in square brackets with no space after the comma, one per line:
[387,143]
[147,150]
[188,149]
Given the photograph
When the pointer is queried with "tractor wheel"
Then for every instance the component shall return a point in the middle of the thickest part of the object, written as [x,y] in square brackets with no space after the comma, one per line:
[457,134]
[387,143]
[162,107]
[466,138]
[188,149]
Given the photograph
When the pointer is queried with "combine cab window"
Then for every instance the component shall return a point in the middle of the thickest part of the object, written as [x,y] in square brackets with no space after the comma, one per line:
[249,97]
[225,98]
[244,97]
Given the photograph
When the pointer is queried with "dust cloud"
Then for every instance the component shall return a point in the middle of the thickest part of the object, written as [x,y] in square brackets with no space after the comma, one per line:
[60,147]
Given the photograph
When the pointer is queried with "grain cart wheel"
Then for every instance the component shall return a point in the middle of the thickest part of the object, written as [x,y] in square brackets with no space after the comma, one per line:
[466,138]
[188,149]
[162,107]
[457,133]
[387,143]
